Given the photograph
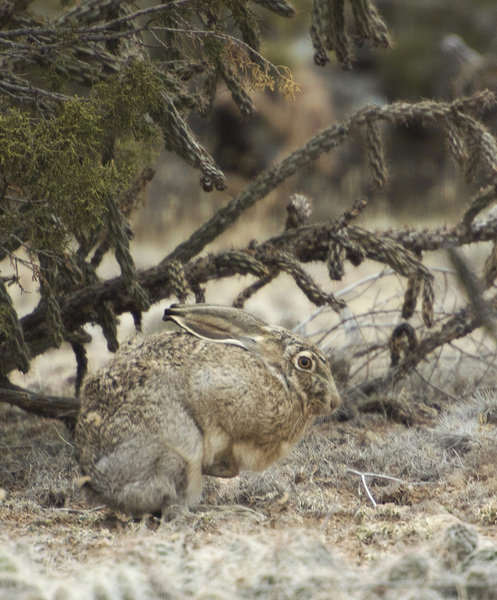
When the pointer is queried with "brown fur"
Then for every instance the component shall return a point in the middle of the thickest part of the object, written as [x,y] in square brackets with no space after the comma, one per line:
[174,407]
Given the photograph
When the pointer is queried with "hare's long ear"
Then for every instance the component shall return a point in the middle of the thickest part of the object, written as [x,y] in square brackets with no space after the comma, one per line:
[226,325]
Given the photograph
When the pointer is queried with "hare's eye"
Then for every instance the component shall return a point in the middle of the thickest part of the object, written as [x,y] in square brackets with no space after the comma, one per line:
[304,362]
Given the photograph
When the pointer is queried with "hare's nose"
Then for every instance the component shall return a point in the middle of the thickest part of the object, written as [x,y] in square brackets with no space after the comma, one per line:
[334,396]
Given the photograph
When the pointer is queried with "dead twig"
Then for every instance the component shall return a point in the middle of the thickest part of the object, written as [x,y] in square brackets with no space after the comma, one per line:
[365,485]
[362,475]
[57,407]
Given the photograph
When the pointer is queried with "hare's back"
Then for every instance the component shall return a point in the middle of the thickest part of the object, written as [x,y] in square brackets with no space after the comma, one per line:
[137,368]
[138,395]
[169,365]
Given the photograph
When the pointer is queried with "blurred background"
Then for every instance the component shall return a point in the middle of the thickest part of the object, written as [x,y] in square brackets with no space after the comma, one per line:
[441,49]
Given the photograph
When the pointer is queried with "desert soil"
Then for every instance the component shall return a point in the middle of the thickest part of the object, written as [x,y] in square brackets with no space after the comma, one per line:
[394,497]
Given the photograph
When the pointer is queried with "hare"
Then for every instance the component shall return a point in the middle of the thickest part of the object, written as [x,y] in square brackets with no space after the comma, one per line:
[230,393]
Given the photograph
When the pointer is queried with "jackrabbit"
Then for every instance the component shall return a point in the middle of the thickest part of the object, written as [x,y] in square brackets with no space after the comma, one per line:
[230,394]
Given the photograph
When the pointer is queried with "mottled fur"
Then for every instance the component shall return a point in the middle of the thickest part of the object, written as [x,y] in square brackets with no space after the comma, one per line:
[229,395]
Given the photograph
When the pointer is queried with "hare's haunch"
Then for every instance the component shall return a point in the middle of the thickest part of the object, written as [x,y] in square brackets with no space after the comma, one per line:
[230,394]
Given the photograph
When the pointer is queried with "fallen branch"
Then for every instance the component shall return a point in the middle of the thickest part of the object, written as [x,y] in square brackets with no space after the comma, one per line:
[56,407]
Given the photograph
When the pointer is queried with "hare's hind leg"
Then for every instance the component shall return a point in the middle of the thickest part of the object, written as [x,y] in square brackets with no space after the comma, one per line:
[145,475]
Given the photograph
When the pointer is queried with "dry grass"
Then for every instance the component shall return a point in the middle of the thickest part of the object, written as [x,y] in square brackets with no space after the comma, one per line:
[304,528]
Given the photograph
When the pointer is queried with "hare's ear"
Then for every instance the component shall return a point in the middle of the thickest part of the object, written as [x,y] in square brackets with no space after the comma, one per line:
[226,325]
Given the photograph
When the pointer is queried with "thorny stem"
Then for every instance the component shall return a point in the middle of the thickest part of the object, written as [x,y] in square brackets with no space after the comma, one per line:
[318,145]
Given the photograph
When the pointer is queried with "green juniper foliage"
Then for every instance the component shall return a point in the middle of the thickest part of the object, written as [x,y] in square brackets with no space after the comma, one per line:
[37,155]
